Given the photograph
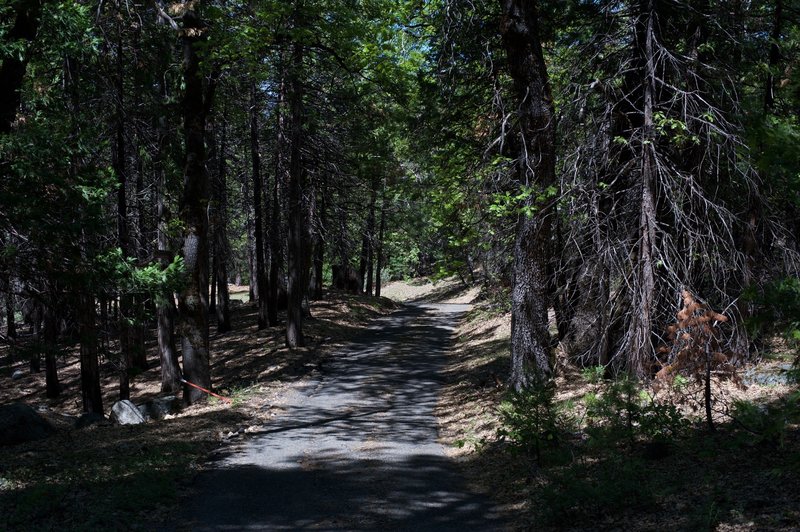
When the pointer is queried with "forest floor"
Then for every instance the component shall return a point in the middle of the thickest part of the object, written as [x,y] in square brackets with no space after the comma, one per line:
[111,477]
[745,475]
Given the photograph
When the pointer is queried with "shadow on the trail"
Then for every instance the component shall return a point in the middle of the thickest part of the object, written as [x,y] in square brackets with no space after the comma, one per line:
[383,385]
[323,421]
[340,494]
[356,447]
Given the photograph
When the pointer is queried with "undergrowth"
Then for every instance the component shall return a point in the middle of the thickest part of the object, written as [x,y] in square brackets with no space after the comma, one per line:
[128,485]
[635,453]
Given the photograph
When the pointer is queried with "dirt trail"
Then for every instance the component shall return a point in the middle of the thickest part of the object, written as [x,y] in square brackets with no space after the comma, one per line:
[356,448]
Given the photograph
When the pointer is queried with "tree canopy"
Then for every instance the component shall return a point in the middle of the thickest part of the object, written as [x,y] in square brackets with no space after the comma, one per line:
[586,163]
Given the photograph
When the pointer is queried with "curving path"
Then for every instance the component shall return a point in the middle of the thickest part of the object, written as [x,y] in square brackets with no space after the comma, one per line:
[356,448]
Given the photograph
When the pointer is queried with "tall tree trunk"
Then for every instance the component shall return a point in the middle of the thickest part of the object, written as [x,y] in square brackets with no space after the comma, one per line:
[211,155]
[38,314]
[319,244]
[299,238]
[278,186]
[258,204]
[774,57]
[91,392]
[11,323]
[119,165]
[640,346]
[530,338]
[221,246]
[83,292]
[371,237]
[193,302]
[381,230]
[165,303]
[212,297]
[363,258]
[26,24]
[50,337]
[252,291]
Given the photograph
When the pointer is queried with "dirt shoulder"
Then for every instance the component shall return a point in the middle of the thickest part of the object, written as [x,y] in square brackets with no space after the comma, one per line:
[731,479]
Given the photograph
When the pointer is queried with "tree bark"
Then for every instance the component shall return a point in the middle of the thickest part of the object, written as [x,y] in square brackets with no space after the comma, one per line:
[11,323]
[774,57]
[221,246]
[247,206]
[371,237]
[299,237]
[640,347]
[91,392]
[119,165]
[193,301]
[258,204]
[530,338]
[165,304]
[50,336]
[12,71]
[319,245]
[278,186]
[381,230]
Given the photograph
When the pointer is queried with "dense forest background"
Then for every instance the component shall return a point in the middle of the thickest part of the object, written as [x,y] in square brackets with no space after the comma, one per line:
[623,176]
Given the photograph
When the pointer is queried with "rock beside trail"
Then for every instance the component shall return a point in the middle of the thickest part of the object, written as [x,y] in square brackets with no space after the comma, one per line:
[17,375]
[126,413]
[159,407]
[19,423]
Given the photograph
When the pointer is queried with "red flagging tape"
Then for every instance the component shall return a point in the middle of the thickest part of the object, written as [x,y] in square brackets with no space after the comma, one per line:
[209,392]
